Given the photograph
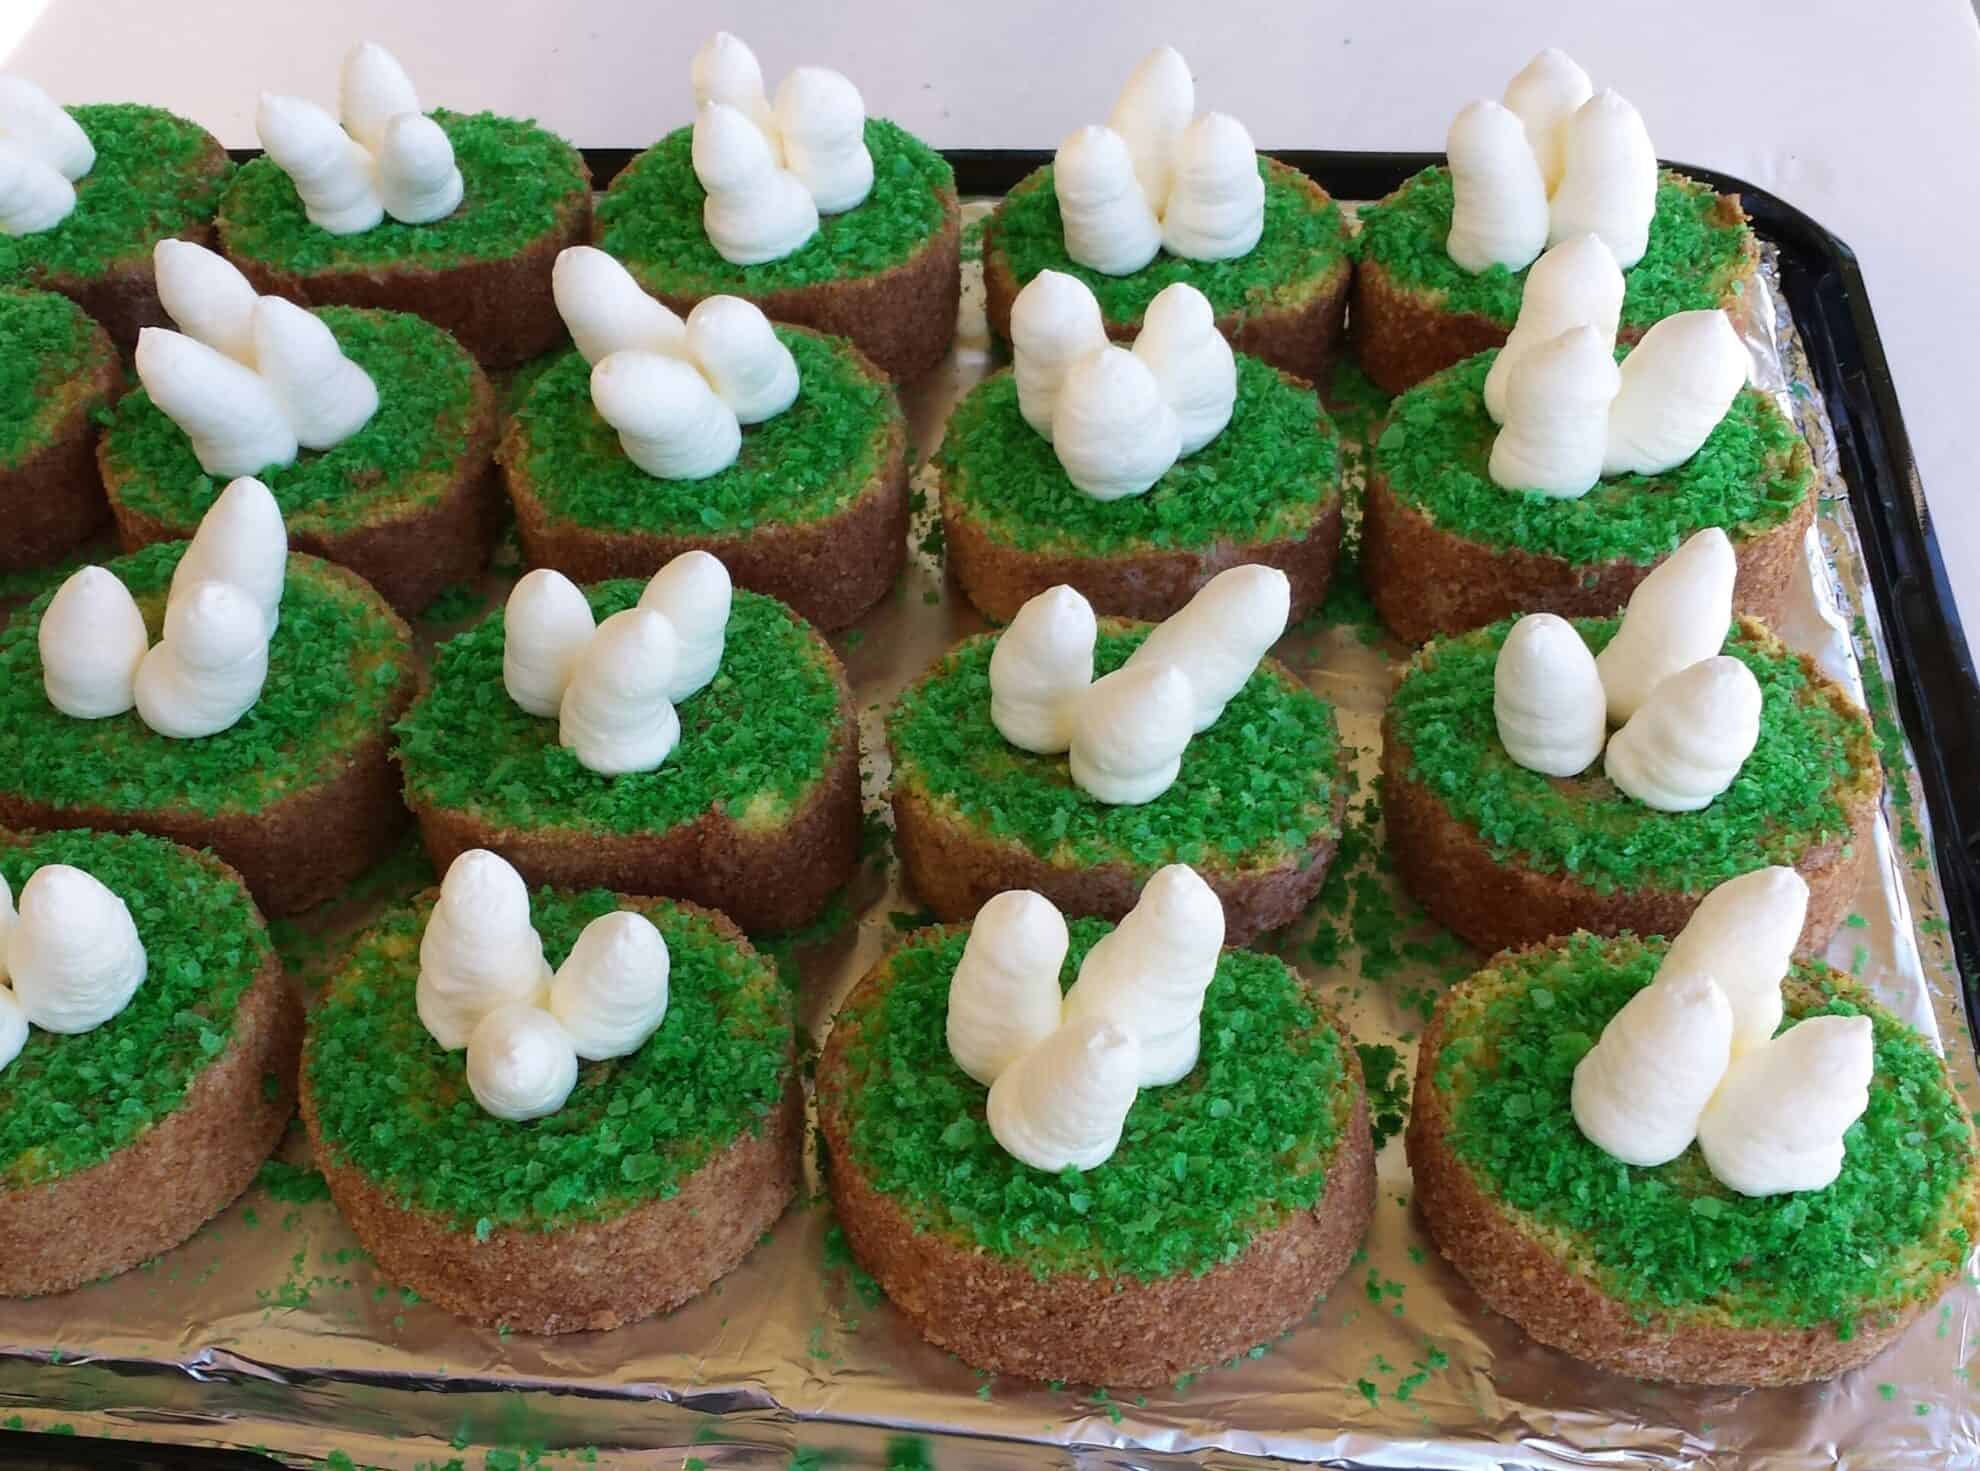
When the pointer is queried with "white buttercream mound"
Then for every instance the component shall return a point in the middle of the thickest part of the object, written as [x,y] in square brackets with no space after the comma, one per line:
[1499,197]
[1129,731]
[1193,365]
[479,950]
[741,356]
[1547,697]
[1686,743]
[91,640]
[1608,183]
[1004,998]
[73,953]
[695,594]
[1219,637]
[1778,1120]
[418,181]
[326,396]
[39,125]
[1154,108]
[372,90]
[1114,432]
[520,1063]
[1744,933]
[1039,669]
[1639,1091]
[1677,384]
[670,422]
[616,717]
[241,540]
[1677,616]
[1216,204]
[1062,1104]
[607,311]
[207,669]
[1109,225]
[1573,283]
[1149,973]
[1557,416]
[1055,322]
[725,70]
[234,420]
[610,994]
[206,297]
[1545,94]
[545,626]
[756,209]
[333,172]
[821,123]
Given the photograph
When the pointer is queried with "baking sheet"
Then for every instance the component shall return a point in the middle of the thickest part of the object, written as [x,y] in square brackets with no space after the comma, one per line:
[270,1330]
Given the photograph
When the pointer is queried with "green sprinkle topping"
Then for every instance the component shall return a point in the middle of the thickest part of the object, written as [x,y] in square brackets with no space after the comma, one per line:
[754,744]
[338,665]
[70,1102]
[1812,763]
[1255,788]
[413,449]
[522,183]
[650,219]
[1302,254]
[155,175]
[809,462]
[1270,476]
[1752,473]
[392,1104]
[1699,250]
[50,353]
[1891,1228]
[1204,1165]
[1387,1082]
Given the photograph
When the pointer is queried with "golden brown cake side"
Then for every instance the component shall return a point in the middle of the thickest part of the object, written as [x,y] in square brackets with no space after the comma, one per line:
[52,502]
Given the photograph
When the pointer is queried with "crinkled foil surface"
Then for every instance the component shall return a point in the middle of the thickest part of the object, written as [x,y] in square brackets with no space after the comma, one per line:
[271,1330]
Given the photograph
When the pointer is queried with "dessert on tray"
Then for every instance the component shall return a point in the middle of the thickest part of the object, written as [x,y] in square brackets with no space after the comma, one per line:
[1014,767]
[558,1111]
[1444,260]
[820,215]
[1163,194]
[1107,1154]
[1135,476]
[57,370]
[455,217]
[778,449]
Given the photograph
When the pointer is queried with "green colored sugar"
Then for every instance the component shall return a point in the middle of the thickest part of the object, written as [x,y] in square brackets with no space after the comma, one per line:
[337,666]
[70,1102]
[807,463]
[522,183]
[1302,253]
[1792,795]
[155,175]
[1234,1149]
[1270,476]
[48,349]
[395,1106]
[1752,473]
[1255,789]
[755,744]
[1670,1238]
[1698,253]
[405,458]
[650,219]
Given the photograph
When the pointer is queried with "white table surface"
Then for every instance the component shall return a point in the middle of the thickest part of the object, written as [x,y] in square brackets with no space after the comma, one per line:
[1866,115]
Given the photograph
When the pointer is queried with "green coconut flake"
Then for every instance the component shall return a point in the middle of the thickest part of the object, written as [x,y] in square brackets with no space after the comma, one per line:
[1671,1238]
[403,460]
[70,1102]
[48,352]
[395,1106]
[1269,476]
[1255,789]
[1302,253]
[755,744]
[1792,795]
[521,183]
[650,219]
[337,665]
[155,175]
[1233,1149]
[1752,473]
[1695,256]
[807,463]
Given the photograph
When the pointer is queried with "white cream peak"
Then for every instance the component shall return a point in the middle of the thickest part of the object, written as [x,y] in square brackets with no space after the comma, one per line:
[73,953]
[1193,365]
[1040,669]
[232,416]
[1219,637]
[725,70]
[1129,730]
[333,173]
[479,950]
[91,639]
[1744,933]
[1150,115]
[1639,1091]
[1677,615]
[545,626]
[695,594]
[1547,697]
[33,196]
[1677,384]
[607,311]
[372,90]
[241,540]
[1544,95]
[206,297]
[326,396]
[821,122]
[205,673]
[1608,183]
[1063,1104]
[1686,743]
[1004,998]
[1499,197]
[616,717]
[756,209]
[1114,433]
[1055,322]
[1778,1120]
[520,1063]
[13,1024]
[1574,283]
[1109,225]
[1216,204]
[1149,973]
[418,181]
[1557,416]
[39,125]
[610,993]
[741,356]
[670,422]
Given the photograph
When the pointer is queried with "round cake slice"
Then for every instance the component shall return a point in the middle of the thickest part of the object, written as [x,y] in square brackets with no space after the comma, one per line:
[1236,1197]
[659,1174]
[1660,1272]
[1504,856]
[119,1142]
[299,796]
[57,370]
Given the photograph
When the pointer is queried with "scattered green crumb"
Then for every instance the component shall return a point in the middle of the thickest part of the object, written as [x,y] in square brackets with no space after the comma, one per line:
[455,604]
[290,1183]
[1387,1082]
[1855,921]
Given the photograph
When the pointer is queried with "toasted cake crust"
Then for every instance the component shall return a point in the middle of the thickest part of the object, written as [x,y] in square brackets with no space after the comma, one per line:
[53,500]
